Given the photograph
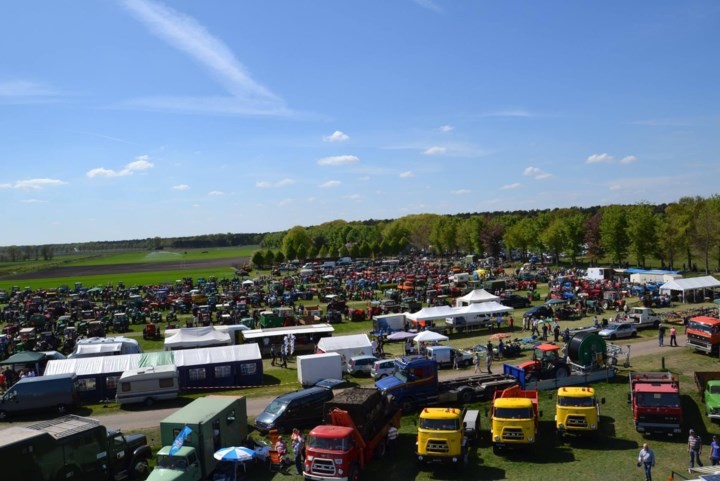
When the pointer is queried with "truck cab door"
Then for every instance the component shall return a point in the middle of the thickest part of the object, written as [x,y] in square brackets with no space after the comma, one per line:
[118,445]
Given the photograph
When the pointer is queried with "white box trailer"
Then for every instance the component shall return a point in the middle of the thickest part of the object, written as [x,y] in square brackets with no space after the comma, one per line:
[312,368]
[389,323]
[147,385]
[599,273]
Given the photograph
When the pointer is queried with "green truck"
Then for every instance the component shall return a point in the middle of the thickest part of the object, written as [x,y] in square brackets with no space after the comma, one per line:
[214,422]
[708,384]
[71,447]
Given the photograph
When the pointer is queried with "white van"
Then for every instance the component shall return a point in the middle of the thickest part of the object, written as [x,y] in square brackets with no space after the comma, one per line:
[147,385]
[445,355]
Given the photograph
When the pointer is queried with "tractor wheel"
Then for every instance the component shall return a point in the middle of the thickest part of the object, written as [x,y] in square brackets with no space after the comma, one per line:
[466,396]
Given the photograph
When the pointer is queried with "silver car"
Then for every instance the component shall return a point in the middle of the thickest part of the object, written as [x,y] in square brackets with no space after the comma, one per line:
[618,330]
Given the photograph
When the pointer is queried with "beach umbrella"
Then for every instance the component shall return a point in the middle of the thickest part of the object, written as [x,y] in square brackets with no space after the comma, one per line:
[238,454]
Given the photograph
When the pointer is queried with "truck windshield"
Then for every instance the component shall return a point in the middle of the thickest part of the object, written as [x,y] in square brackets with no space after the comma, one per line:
[658,400]
[578,402]
[513,413]
[714,389]
[171,462]
[699,326]
[440,424]
[402,376]
[276,407]
[330,444]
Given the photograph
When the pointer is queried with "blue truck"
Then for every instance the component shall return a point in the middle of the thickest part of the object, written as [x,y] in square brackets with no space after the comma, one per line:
[415,385]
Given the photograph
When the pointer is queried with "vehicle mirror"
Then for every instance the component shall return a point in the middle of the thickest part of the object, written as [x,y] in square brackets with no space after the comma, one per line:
[602,401]
[629,399]
[540,414]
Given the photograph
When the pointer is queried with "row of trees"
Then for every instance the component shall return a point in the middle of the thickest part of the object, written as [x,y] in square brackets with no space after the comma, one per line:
[676,234]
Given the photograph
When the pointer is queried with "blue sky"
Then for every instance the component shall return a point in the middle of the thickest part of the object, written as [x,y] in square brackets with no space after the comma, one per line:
[140,118]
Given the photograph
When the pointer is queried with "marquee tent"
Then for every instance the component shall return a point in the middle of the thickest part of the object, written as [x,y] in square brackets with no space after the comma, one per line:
[475,296]
[690,287]
[430,336]
[187,338]
[347,346]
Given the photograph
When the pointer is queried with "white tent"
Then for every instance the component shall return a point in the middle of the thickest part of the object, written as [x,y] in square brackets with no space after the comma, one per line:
[217,355]
[475,296]
[84,366]
[484,308]
[430,336]
[430,313]
[692,285]
[348,346]
[190,337]
[444,312]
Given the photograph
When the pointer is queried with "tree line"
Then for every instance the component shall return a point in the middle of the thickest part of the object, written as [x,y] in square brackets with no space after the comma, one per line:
[679,234]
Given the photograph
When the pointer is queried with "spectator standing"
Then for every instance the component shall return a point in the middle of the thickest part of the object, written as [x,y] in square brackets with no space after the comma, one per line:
[501,347]
[272,354]
[715,451]
[489,357]
[646,459]
[694,449]
[511,324]
[476,361]
[556,332]
[392,437]
[661,335]
[299,451]
[673,336]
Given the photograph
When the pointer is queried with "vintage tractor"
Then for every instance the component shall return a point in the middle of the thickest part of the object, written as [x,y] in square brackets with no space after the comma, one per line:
[152,331]
[547,363]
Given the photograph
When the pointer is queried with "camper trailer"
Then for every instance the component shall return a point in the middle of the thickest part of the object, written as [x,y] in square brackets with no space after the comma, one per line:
[147,385]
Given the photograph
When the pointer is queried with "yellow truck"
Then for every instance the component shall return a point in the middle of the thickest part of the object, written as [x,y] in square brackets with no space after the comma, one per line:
[577,411]
[446,434]
[514,418]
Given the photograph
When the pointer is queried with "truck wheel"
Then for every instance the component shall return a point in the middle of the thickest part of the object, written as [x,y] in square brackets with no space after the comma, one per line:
[466,396]
[149,402]
[354,473]
[3,416]
[141,467]
[61,409]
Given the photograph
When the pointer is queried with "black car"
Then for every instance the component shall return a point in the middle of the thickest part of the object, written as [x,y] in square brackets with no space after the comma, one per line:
[515,301]
[539,312]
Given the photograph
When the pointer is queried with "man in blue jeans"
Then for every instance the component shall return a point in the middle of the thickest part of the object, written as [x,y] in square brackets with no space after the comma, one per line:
[646,459]
[695,449]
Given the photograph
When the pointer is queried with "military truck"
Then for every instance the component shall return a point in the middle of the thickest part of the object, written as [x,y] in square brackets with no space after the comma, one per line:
[212,422]
[72,447]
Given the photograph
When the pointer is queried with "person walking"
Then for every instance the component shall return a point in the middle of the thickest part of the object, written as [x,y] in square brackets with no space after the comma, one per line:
[673,337]
[646,459]
[299,451]
[272,354]
[661,335]
[392,437]
[715,451]
[476,361]
[489,357]
[694,449]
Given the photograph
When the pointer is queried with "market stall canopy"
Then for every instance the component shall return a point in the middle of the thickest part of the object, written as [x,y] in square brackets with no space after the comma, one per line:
[197,337]
[25,357]
[430,336]
[401,336]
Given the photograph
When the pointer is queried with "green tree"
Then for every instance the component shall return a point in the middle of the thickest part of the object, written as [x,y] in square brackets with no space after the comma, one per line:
[593,237]
[302,252]
[443,235]
[642,231]
[492,237]
[706,228]
[468,234]
[555,238]
[613,232]
[258,259]
[573,227]
[279,257]
[293,239]
[269,258]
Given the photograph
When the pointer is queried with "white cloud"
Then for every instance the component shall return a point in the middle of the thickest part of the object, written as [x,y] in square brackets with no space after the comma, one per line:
[435,150]
[264,184]
[446,128]
[33,184]
[430,5]
[330,183]
[337,136]
[514,185]
[509,113]
[187,35]
[407,174]
[33,201]
[461,192]
[22,91]
[284,202]
[605,158]
[536,173]
[181,187]
[353,197]
[139,164]
[216,193]
[339,160]
[364,178]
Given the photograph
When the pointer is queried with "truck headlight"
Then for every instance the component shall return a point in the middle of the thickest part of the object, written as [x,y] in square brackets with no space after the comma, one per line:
[497,438]
[530,439]
[420,458]
[561,426]
[310,458]
[454,459]
[340,471]
[593,426]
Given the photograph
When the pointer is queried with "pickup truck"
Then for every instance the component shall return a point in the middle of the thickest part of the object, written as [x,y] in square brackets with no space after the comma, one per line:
[644,317]
[708,383]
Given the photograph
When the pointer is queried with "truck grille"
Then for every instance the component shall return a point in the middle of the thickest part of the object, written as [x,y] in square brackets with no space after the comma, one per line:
[576,422]
[437,446]
[512,434]
[323,467]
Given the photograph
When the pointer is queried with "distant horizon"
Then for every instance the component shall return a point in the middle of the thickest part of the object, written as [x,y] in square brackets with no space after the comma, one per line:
[134,119]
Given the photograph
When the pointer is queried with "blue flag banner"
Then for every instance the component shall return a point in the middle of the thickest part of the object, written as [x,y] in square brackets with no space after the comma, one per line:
[179,440]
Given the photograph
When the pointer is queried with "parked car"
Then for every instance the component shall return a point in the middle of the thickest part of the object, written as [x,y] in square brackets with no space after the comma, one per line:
[618,330]
[360,365]
[382,368]
[515,301]
[539,312]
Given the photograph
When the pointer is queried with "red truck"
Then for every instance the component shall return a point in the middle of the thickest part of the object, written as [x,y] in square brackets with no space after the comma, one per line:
[703,334]
[655,399]
[355,431]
